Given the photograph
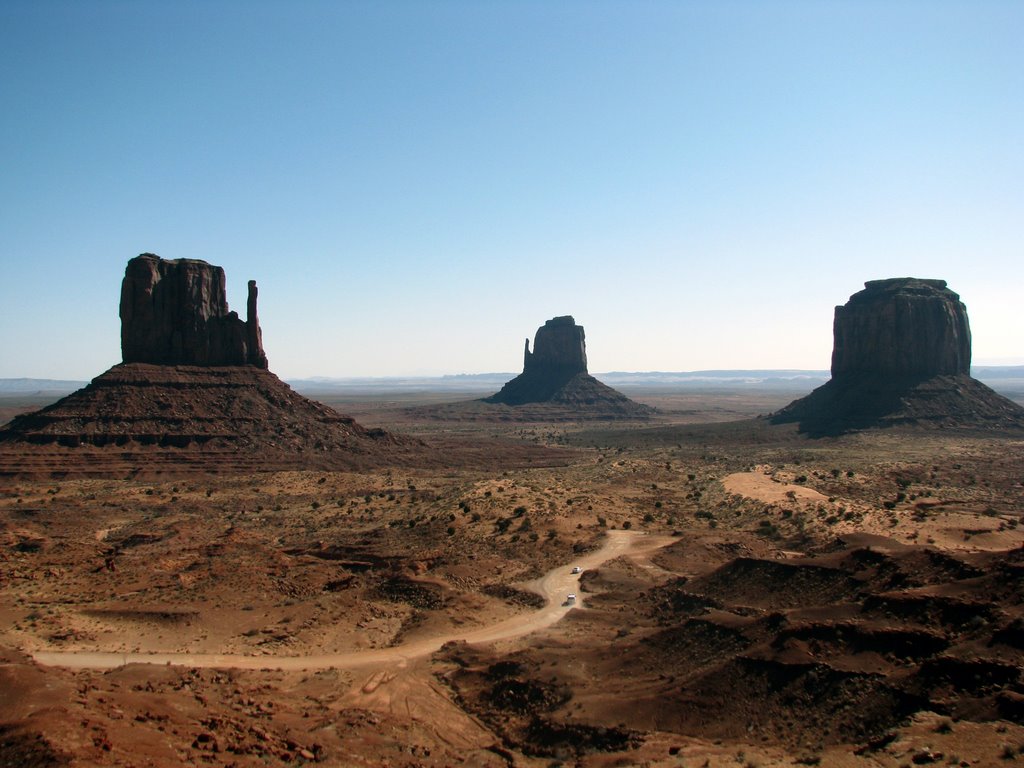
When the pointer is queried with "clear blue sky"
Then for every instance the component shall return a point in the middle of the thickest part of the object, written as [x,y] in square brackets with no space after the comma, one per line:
[416,186]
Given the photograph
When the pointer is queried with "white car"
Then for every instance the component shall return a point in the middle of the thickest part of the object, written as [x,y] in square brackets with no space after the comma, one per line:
[570,598]
[577,569]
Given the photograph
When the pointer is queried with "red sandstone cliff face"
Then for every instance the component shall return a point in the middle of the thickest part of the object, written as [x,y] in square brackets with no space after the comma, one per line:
[175,312]
[902,327]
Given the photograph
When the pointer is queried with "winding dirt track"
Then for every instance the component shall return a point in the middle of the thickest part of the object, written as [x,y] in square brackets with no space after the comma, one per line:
[553,586]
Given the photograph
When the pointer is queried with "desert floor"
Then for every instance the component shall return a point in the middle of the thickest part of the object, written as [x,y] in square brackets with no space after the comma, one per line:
[746,597]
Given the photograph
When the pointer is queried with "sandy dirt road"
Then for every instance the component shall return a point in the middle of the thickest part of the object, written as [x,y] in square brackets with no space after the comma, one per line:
[553,586]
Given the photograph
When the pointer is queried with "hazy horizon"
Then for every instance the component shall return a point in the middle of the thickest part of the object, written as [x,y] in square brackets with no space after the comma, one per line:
[416,187]
[987,372]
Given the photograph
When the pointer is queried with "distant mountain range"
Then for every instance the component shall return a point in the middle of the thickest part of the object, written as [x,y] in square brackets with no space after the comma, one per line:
[491,382]
[39,386]
[782,378]
[1002,378]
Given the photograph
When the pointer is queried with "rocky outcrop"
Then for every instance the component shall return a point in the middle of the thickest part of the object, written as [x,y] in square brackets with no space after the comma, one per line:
[902,327]
[901,355]
[175,312]
[194,394]
[555,372]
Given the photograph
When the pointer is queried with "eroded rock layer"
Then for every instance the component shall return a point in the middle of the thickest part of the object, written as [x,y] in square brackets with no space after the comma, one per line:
[233,415]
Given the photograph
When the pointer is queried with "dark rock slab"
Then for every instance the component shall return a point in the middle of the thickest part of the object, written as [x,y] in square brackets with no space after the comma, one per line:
[175,312]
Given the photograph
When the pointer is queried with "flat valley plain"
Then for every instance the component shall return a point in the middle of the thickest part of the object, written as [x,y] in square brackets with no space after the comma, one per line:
[747,597]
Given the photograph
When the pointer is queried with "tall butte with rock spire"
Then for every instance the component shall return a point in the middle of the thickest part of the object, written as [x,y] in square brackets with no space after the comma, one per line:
[193,392]
[176,313]
[901,355]
[555,373]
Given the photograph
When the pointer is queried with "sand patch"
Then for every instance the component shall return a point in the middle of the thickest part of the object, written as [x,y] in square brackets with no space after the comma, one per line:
[757,485]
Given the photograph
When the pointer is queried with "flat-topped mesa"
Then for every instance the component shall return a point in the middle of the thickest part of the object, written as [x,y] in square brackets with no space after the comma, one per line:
[902,327]
[175,312]
[901,356]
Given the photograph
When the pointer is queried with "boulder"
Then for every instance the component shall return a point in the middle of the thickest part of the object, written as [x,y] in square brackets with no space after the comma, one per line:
[175,312]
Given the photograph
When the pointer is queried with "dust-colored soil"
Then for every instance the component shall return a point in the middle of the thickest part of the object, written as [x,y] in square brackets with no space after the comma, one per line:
[851,601]
[557,589]
[764,487]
